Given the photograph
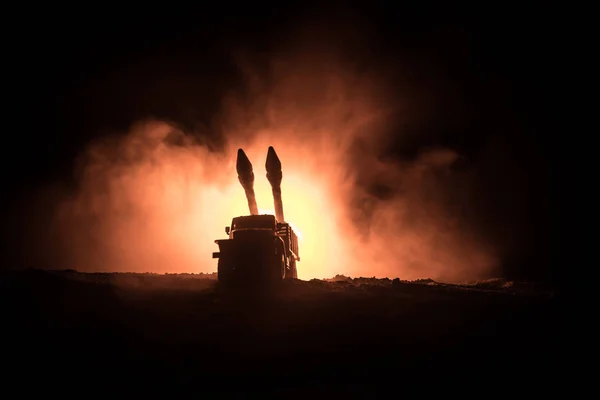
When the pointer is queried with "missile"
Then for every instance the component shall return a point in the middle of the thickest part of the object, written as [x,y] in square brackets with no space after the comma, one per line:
[274,175]
[246,178]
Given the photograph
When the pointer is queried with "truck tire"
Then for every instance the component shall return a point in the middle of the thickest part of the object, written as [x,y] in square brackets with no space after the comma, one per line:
[225,273]
[276,271]
[293,273]
[282,269]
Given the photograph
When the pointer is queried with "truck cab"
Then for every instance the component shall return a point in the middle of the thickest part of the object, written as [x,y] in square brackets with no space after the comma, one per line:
[255,223]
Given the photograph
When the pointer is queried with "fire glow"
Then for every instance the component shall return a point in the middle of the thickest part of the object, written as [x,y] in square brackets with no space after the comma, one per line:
[145,204]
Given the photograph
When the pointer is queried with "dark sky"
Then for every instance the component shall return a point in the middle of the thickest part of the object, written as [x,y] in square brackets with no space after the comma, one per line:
[502,55]
[65,86]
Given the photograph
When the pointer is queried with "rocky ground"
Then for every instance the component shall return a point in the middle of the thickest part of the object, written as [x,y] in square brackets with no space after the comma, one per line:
[149,332]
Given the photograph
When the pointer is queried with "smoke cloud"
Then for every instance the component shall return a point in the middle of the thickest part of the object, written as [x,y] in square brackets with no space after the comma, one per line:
[156,198]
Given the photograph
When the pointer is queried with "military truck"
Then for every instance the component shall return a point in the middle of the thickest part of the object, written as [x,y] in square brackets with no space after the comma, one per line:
[260,247]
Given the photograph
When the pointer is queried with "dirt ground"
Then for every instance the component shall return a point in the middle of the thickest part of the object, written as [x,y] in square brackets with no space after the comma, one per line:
[148,333]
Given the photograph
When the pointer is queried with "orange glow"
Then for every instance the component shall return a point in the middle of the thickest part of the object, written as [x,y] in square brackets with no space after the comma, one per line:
[145,205]
[309,206]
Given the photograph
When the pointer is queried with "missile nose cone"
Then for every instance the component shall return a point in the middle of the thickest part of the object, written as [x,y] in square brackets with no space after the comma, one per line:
[243,165]
[273,162]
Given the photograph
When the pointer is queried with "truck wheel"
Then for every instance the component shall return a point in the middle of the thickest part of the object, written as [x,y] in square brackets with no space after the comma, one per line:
[225,272]
[293,271]
[282,273]
[277,270]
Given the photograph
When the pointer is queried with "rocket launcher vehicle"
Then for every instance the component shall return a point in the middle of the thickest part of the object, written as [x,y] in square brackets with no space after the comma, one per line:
[259,246]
